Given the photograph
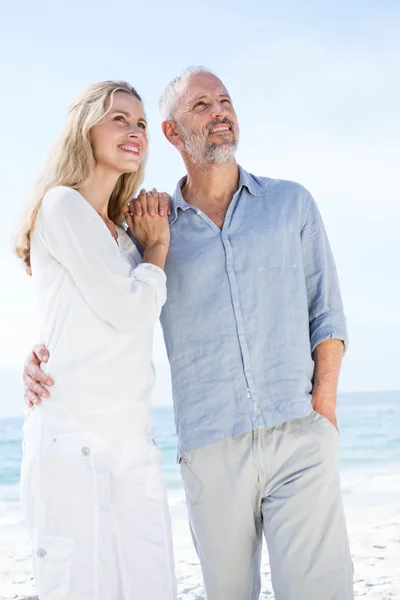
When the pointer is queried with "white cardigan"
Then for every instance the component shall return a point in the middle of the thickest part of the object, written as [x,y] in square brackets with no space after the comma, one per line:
[98,304]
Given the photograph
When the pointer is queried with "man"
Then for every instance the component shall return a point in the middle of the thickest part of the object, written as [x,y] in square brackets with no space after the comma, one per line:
[255,332]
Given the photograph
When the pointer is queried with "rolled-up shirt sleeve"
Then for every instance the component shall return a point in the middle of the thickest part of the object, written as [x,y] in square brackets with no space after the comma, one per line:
[325,306]
[127,296]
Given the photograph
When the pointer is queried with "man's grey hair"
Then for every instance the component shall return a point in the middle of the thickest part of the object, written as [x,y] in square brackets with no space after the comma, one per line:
[172,94]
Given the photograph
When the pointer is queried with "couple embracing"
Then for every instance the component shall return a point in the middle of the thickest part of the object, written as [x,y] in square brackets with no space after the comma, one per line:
[240,272]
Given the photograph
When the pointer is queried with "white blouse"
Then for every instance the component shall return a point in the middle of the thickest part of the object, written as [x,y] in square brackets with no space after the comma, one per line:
[98,304]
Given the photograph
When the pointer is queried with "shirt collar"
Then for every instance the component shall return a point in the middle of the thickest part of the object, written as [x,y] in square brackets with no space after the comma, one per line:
[177,198]
[245,180]
[251,183]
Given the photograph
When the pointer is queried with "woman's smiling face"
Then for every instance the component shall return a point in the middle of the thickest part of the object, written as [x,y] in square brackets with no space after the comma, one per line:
[119,140]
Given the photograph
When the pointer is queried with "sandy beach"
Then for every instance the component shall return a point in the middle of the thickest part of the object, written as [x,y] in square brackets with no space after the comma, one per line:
[374,529]
[370,478]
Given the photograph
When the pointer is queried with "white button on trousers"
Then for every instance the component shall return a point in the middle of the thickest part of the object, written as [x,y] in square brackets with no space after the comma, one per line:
[97,514]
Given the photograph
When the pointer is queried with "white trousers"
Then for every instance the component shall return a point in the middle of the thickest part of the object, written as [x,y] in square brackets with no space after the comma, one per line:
[97,514]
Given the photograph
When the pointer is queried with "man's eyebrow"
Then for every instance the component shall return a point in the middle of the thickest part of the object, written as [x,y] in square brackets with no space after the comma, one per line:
[221,95]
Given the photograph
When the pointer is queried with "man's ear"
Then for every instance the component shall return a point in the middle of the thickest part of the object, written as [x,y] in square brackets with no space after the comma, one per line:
[170,130]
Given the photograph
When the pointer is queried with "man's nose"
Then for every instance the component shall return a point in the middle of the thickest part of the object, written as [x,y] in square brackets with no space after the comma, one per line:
[218,110]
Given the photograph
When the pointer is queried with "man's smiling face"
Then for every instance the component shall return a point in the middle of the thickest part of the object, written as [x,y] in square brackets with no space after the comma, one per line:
[207,121]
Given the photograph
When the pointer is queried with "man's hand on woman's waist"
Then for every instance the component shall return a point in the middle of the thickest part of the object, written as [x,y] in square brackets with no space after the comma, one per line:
[34,378]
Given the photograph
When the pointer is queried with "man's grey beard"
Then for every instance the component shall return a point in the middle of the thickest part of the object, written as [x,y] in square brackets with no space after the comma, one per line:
[209,153]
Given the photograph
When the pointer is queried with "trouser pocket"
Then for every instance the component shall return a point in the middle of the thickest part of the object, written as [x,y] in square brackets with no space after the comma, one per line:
[193,485]
[53,565]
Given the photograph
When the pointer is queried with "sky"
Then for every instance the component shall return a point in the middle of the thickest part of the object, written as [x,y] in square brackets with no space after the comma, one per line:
[317,90]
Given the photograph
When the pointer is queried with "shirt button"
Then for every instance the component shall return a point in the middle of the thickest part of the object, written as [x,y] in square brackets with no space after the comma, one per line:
[85,451]
[249,395]
[199,212]
[41,553]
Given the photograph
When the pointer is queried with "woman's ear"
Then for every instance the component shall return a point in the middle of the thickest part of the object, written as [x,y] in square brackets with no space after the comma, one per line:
[170,130]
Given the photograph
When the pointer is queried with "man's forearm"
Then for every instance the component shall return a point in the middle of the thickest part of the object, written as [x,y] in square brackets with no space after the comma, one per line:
[328,360]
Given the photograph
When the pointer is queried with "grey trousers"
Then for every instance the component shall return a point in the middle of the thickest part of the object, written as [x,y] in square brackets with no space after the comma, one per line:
[282,481]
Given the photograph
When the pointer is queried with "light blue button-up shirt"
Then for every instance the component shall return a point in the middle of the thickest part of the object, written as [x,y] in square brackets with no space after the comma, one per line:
[246,307]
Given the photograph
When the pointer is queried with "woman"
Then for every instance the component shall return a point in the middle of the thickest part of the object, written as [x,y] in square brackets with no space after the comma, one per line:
[91,483]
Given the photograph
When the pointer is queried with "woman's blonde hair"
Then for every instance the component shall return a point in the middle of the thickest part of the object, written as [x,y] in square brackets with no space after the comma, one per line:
[71,161]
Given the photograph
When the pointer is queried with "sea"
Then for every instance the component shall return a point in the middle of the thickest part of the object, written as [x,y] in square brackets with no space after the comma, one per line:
[369,455]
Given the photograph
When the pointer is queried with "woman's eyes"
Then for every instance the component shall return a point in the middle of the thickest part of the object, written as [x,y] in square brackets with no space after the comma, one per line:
[121,119]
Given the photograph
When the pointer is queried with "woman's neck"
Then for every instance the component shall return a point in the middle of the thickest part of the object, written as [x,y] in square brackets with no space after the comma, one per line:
[98,191]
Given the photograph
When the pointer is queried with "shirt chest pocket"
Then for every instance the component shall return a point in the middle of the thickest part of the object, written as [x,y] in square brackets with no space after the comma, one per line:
[275,251]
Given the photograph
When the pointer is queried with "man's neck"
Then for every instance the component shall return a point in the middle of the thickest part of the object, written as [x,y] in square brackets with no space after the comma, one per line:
[212,187]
